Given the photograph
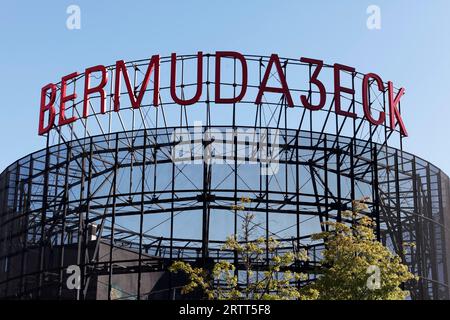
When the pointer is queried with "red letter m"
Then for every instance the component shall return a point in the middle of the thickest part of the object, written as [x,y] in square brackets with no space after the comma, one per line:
[136,100]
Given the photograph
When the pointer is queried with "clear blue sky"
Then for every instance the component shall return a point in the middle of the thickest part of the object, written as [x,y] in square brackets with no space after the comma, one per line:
[412,49]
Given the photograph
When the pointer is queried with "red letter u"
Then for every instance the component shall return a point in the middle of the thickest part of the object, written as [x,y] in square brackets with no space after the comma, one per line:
[173,80]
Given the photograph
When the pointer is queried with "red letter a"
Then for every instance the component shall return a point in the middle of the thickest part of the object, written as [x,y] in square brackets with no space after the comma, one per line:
[284,87]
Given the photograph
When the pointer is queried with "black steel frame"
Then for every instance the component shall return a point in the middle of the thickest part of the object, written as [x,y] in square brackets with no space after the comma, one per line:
[120,176]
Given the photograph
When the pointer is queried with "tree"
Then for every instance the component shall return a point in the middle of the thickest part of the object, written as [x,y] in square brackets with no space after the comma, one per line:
[274,283]
[357,266]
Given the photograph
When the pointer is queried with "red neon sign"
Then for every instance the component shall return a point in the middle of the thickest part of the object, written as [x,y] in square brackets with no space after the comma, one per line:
[48,109]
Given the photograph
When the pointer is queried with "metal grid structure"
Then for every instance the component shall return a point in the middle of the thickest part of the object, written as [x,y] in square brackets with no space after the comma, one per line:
[109,197]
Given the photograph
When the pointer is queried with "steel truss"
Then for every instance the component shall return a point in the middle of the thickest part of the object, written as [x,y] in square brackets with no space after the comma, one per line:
[109,197]
[160,210]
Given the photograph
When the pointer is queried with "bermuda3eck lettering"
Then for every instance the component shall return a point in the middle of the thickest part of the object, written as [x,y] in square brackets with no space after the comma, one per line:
[51,115]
